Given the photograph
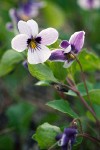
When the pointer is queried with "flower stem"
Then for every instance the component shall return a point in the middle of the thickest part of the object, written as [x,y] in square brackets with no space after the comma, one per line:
[55,144]
[83,78]
[64,88]
[93,139]
[84,81]
[79,121]
[86,105]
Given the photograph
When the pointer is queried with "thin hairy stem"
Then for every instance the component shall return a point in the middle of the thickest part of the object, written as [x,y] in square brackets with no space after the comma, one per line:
[93,139]
[86,105]
[64,88]
[83,78]
[79,121]
[55,144]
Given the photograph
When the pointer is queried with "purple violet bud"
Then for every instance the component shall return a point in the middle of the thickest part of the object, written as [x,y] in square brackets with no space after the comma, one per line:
[76,41]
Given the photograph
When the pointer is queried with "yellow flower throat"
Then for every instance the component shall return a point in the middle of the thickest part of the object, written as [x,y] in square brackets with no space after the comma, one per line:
[33,44]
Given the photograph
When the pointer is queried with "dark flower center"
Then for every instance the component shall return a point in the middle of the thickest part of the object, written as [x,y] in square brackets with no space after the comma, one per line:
[73,49]
[69,56]
[32,43]
[38,40]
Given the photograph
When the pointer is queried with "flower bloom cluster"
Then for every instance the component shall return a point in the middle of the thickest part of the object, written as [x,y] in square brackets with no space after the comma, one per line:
[37,43]
[67,138]
[38,52]
[89,4]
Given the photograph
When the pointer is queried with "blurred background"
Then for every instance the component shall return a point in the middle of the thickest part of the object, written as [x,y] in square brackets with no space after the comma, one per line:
[22,103]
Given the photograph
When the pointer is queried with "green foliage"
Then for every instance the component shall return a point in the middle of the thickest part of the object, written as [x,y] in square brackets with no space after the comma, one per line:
[20,116]
[42,83]
[77,143]
[55,45]
[89,60]
[94,96]
[97,111]
[59,72]
[8,61]
[45,135]
[93,93]
[81,89]
[42,72]
[62,106]
[6,142]
[49,16]
[16,83]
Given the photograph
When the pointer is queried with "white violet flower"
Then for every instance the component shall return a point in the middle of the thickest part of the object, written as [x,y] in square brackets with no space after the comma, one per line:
[29,38]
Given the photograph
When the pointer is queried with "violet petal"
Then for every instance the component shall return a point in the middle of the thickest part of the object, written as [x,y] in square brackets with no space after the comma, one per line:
[58,137]
[64,44]
[64,147]
[68,63]
[57,55]
[70,131]
[64,140]
[9,26]
[77,41]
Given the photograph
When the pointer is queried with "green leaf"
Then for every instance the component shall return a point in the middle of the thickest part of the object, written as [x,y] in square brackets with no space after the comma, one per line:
[81,88]
[42,72]
[8,61]
[20,115]
[62,106]
[77,143]
[49,16]
[58,70]
[55,45]
[45,135]
[94,96]
[97,111]
[6,142]
[42,83]
[89,60]
[93,93]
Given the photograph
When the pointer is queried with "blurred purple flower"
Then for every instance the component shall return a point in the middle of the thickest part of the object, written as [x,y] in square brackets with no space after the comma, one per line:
[9,26]
[67,138]
[30,9]
[74,45]
[89,4]
[25,64]
[13,15]
[26,11]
